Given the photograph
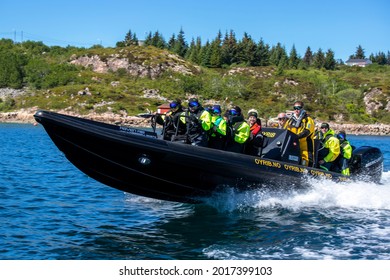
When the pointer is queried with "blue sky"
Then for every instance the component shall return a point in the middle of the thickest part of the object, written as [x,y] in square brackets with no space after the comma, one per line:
[340,25]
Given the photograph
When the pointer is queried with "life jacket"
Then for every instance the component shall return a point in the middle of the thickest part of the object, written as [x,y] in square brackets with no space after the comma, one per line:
[220,127]
[240,130]
[332,145]
[346,149]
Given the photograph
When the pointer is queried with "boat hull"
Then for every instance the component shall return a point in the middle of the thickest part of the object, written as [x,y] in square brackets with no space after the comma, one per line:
[136,161]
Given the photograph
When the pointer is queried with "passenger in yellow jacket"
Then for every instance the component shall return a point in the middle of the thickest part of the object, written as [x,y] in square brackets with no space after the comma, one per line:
[303,126]
[217,133]
[345,153]
[330,148]
[239,131]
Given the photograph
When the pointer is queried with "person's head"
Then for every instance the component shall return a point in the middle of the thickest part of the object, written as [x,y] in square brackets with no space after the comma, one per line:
[235,111]
[252,116]
[298,106]
[282,118]
[193,104]
[324,127]
[342,136]
[216,110]
[175,105]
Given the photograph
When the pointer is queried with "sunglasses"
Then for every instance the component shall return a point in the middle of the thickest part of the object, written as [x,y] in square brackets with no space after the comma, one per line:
[173,105]
[233,112]
[323,127]
[297,107]
[193,104]
[281,119]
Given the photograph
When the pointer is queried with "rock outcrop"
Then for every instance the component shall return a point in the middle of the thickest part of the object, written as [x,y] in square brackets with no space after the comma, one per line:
[139,66]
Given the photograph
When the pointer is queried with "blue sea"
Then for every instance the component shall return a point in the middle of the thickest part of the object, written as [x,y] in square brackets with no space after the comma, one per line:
[49,210]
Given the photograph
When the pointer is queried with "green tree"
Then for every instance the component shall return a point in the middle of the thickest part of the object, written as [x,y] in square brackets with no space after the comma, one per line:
[359,54]
[35,48]
[329,62]
[308,57]
[215,52]
[11,73]
[262,54]
[319,59]
[155,39]
[205,54]
[229,48]
[158,40]
[246,51]
[37,71]
[293,59]
[194,51]
[278,53]
[180,47]
[130,39]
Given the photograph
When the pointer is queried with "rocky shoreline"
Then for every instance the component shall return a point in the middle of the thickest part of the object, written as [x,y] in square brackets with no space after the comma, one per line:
[26,116]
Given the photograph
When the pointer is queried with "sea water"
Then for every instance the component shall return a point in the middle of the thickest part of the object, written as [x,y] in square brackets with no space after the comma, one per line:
[51,210]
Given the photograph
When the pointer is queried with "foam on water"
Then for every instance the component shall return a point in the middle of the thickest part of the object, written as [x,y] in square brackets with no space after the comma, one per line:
[321,194]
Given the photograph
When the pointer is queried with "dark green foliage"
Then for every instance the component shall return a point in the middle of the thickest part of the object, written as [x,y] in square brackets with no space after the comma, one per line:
[359,54]
[43,75]
[11,69]
[329,62]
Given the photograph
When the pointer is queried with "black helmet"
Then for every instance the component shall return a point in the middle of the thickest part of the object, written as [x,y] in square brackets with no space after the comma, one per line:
[193,103]
[175,104]
[342,135]
[235,111]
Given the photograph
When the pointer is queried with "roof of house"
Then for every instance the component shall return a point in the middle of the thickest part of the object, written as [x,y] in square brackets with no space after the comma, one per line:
[357,60]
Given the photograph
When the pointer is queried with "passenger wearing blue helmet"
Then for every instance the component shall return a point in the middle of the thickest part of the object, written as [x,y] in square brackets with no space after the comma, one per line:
[239,131]
[198,122]
[172,125]
[217,133]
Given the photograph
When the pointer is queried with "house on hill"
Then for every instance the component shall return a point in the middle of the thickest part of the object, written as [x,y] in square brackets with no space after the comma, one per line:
[162,109]
[358,62]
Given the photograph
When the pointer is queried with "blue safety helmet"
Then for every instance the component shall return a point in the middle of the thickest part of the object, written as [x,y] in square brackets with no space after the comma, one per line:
[216,109]
[193,103]
[235,111]
[175,104]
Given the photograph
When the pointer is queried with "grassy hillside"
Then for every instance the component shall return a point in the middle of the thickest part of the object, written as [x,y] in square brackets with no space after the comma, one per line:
[56,78]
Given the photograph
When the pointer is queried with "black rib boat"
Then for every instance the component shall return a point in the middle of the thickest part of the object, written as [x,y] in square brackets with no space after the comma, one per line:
[137,161]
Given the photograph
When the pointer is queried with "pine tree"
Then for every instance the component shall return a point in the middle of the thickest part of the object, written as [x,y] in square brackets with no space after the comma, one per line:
[205,54]
[359,53]
[293,59]
[262,54]
[130,39]
[180,46]
[148,39]
[246,51]
[215,51]
[194,51]
[308,58]
[229,48]
[319,59]
[329,62]
[278,53]
[172,43]
[388,57]
[158,40]
[380,58]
